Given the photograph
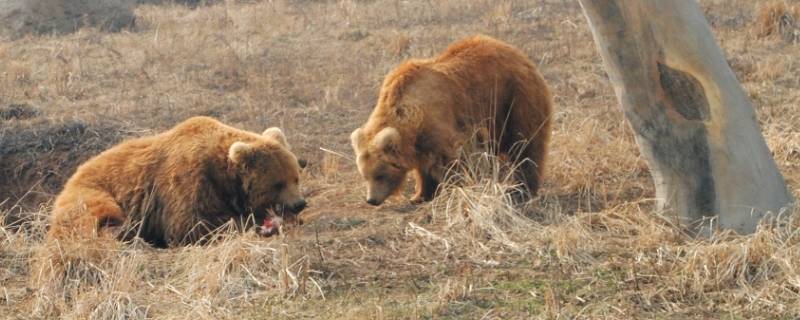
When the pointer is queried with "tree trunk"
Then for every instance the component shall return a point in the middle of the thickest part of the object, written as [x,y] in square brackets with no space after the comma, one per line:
[692,120]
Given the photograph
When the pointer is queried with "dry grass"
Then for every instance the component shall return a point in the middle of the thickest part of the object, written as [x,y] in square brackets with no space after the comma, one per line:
[779,18]
[591,246]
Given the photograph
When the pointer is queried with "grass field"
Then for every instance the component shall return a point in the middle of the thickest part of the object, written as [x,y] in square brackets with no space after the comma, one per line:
[589,247]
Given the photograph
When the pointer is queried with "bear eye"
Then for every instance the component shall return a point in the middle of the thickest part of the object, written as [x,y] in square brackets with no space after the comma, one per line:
[380,177]
[279,185]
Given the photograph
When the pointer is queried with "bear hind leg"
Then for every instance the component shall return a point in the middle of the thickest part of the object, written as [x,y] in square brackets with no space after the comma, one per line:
[530,168]
[89,211]
[107,214]
[528,135]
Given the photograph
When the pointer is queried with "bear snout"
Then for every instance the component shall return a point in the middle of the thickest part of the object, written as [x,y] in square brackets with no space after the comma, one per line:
[299,206]
[302,163]
[374,202]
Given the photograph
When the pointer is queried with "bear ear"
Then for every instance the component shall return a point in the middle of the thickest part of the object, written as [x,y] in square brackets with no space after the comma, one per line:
[357,140]
[387,139]
[239,151]
[277,134]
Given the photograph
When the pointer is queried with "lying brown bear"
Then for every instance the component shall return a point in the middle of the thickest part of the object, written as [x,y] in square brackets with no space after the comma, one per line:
[427,109]
[176,187]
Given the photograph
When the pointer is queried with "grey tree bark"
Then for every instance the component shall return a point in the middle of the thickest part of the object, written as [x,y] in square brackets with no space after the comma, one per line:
[692,120]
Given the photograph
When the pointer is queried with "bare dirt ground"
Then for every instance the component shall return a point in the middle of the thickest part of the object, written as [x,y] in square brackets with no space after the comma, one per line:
[590,246]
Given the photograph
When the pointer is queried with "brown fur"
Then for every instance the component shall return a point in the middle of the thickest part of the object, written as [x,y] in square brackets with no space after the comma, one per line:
[175,187]
[477,84]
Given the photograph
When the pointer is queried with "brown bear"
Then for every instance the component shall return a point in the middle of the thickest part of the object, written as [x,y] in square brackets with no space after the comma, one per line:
[176,187]
[427,109]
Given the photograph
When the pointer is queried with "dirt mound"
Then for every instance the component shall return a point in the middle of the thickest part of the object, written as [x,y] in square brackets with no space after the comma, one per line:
[18,111]
[20,17]
[38,155]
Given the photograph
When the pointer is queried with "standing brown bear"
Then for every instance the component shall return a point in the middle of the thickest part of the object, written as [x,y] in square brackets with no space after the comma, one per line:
[176,187]
[428,108]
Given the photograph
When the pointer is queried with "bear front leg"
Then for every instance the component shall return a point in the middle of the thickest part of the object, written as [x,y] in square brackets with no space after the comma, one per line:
[436,151]
[426,185]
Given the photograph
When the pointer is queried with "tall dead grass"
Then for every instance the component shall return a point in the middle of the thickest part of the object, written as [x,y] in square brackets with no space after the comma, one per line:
[656,265]
[102,280]
[779,18]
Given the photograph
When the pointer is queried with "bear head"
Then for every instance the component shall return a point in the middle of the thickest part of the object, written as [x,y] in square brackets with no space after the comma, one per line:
[269,174]
[380,162]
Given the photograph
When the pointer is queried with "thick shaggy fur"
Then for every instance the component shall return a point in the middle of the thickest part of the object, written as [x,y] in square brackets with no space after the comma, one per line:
[175,187]
[428,108]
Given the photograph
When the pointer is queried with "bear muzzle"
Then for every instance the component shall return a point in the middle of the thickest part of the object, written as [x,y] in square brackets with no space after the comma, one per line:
[377,194]
[298,206]
[287,209]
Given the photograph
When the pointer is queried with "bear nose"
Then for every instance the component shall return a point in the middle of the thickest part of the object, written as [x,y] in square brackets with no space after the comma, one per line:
[373,202]
[299,206]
